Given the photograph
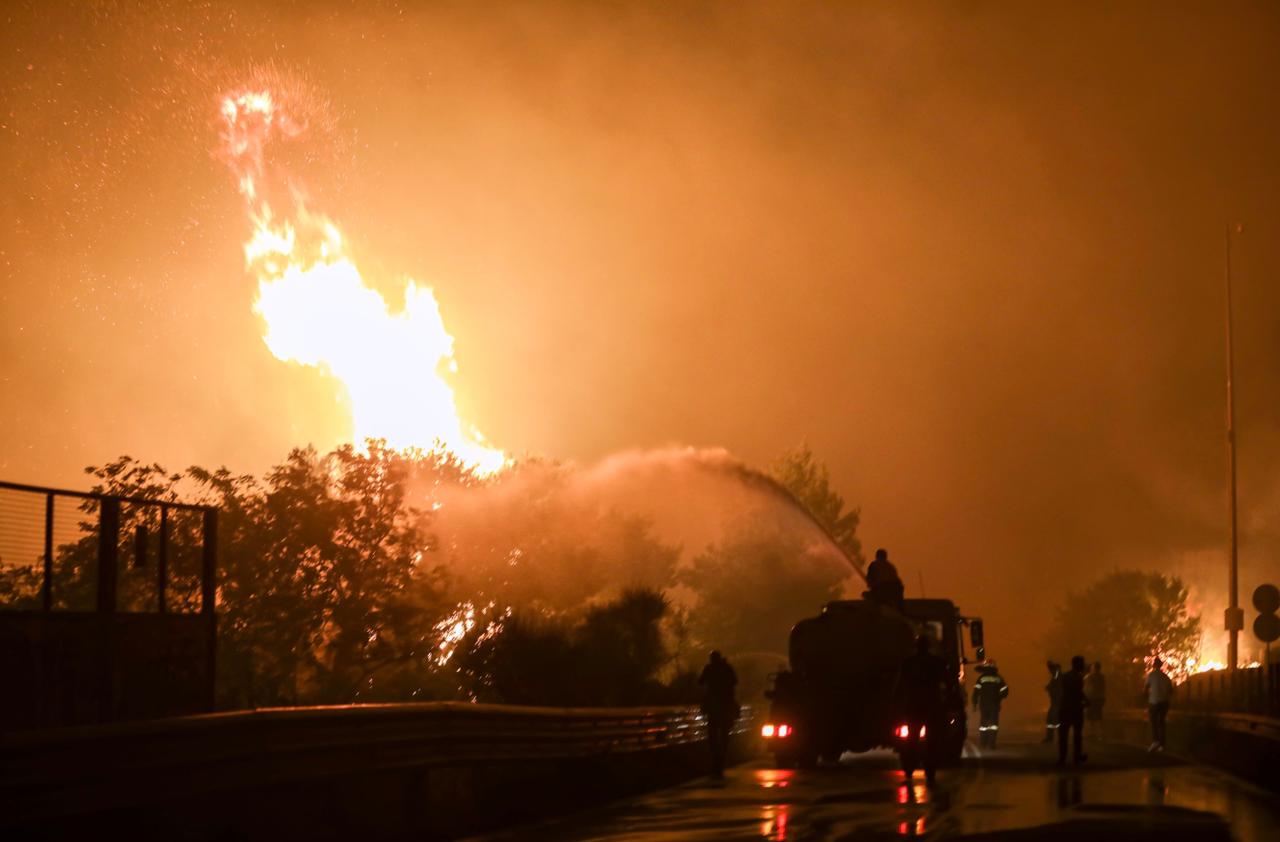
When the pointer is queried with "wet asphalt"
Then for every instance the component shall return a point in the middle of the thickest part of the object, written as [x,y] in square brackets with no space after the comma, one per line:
[1014,792]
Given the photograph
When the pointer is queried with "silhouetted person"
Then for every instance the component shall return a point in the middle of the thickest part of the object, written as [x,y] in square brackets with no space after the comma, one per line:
[1054,689]
[1159,692]
[989,692]
[1095,688]
[883,583]
[922,684]
[719,707]
[1071,713]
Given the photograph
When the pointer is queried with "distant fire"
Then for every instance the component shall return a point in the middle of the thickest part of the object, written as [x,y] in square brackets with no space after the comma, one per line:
[319,311]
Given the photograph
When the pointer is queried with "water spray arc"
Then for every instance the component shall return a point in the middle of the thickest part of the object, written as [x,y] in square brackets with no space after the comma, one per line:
[762,481]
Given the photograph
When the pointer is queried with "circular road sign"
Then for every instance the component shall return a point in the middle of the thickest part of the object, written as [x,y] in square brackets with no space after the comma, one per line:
[1266,598]
[1267,628]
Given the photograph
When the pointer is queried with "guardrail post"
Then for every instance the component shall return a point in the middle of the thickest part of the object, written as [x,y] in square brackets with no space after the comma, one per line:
[108,553]
[46,589]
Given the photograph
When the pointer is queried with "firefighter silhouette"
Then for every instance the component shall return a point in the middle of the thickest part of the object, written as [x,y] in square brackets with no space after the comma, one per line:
[883,583]
[989,692]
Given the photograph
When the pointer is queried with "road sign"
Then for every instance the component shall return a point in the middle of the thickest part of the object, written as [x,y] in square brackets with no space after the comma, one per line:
[1267,628]
[1266,598]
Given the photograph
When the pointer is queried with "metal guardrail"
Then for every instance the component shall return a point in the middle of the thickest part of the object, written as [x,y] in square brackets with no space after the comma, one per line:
[1253,690]
[1264,727]
[78,770]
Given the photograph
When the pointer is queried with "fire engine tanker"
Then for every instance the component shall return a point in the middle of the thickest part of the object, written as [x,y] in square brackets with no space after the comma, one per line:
[840,692]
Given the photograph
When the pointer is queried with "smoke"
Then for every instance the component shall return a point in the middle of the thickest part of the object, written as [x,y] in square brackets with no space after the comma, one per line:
[739,559]
[560,535]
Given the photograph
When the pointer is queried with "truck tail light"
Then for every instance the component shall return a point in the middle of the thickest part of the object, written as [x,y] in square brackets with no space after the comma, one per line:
[766,731]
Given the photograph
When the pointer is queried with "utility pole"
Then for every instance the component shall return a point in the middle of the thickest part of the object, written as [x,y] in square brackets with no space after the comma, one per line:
[1234,614]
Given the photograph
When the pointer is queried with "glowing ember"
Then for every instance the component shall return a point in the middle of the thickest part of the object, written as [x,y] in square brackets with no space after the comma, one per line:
[458,624]
[319,312]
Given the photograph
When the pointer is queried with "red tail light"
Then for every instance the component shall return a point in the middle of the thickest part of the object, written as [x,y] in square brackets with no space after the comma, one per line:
[923,731]
[767,731]
[784,730]
[903,732]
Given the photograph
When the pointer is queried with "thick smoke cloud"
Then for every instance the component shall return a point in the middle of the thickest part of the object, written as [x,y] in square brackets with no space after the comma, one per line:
[558,535]
[972,254]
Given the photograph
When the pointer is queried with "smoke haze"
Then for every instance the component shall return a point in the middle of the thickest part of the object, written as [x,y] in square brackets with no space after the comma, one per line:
[972,254]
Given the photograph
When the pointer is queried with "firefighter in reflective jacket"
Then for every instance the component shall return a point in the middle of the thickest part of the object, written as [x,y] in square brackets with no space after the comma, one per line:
[988,693]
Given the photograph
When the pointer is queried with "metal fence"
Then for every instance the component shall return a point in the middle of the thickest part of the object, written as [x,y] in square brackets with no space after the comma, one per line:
[62,550]
[1253,691]
[106,606]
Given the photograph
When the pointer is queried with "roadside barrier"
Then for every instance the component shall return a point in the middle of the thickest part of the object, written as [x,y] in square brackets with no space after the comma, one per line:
[1244,744]
[453,767]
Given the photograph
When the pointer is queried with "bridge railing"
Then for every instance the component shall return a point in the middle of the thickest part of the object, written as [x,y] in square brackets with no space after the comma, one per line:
[129,765]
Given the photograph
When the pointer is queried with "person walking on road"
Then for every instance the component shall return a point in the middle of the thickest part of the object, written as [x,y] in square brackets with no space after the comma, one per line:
[1071,713]
[989,692]
[719,707]
[1159,692]
[1095,689]
[922,683]
[1054,689]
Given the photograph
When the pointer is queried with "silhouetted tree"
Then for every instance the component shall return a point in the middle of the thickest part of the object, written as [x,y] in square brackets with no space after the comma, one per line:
[328,588]
[1122,619]
[808,480]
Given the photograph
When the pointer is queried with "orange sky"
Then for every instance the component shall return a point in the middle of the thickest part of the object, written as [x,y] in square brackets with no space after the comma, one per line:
[972,254]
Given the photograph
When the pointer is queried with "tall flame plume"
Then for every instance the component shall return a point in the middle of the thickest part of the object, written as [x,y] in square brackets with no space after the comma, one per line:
[319,312]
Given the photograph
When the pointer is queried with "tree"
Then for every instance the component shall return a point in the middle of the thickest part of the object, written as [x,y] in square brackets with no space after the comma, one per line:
[326,592]
[809,482]
[1124,619]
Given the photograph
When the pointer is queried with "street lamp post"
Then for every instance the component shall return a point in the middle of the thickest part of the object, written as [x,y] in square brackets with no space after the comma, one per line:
[1234,615]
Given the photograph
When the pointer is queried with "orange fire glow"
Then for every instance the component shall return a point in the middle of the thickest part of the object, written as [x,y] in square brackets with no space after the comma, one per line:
[319,312]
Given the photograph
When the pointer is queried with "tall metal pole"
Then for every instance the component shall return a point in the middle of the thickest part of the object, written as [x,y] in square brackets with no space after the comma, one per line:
[1234,616]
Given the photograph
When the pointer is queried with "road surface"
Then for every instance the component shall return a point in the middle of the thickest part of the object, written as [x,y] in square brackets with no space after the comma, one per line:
[1012,793]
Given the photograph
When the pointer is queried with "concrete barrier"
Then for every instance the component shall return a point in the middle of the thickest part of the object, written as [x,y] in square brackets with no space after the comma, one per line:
[433,771]
[1245,745]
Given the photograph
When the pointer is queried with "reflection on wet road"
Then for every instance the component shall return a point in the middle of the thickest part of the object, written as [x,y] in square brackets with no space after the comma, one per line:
[1016,792]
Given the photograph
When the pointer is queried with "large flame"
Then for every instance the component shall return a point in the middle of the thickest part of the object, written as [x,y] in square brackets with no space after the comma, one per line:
[319,312]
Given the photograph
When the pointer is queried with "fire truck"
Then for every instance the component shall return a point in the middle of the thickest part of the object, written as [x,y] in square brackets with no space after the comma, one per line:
[839,693]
